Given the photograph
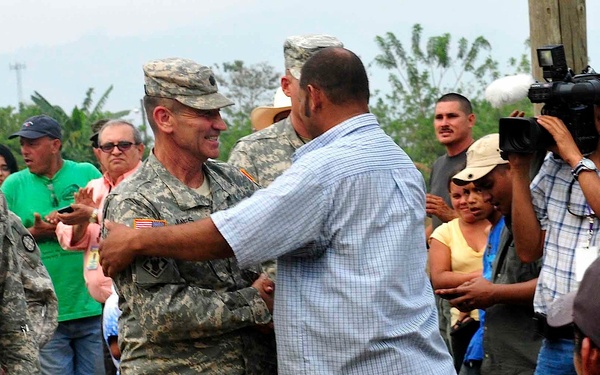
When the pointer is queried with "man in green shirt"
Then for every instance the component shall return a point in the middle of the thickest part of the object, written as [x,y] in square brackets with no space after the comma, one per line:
[47,184]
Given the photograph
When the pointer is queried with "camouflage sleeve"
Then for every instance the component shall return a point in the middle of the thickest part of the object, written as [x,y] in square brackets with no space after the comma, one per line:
[18,350]
[42,303]
[166,306]
[240,158]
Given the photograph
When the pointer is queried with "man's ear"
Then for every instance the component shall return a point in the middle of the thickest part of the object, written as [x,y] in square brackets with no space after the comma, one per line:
[316,97]
[163,118]
[472,119]
[285,85]
[590,356]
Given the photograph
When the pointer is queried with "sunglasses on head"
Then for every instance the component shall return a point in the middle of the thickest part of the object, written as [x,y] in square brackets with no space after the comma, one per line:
[122,146]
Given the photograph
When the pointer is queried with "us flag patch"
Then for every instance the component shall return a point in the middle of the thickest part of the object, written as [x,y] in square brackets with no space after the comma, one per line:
[148,223]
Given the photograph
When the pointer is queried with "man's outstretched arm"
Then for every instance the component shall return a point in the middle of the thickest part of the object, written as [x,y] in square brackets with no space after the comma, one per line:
[195,241]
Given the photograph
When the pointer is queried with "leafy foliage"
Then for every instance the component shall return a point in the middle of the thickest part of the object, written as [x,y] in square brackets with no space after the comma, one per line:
[419,73]
[76,125]
[248,86]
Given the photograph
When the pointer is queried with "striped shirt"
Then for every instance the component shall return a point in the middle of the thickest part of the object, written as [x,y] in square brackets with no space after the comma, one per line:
[346,223]
[564,231]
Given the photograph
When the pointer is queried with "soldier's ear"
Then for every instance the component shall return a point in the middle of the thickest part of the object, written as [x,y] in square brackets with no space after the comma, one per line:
[163,118]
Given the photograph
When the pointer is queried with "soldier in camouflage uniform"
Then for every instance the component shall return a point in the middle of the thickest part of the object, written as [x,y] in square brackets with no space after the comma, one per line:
[28,305]
[268,153]
[181,317]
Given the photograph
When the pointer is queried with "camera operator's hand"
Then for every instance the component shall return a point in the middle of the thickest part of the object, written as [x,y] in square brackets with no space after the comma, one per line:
[565,145]
[517,113]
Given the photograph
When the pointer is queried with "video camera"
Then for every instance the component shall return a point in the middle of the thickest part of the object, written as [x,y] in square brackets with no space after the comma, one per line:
[569,97]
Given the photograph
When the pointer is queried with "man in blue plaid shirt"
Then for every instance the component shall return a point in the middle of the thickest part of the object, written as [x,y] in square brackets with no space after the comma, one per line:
[556,218]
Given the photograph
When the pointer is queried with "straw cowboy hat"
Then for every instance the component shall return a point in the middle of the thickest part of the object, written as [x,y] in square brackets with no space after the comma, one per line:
[263,116]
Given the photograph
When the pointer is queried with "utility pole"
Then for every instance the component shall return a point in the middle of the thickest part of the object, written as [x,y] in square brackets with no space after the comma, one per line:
[18,67]
[559,22]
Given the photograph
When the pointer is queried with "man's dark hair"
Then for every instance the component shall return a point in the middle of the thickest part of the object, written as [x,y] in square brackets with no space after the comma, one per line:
[9,158]
[339,73]
[465,104]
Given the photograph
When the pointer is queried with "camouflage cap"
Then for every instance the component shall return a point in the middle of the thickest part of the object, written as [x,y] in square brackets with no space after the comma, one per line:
[297,49]
[184,80]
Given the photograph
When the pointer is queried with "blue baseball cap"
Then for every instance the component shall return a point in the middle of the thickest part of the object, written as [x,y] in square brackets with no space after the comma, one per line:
[37,127]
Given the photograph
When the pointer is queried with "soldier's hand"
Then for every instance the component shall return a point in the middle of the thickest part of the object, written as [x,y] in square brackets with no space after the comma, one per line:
[115,252]
[266,289]
[435,205]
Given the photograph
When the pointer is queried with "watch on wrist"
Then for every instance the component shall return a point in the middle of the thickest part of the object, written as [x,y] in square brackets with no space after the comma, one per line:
[94,216]
[584,164]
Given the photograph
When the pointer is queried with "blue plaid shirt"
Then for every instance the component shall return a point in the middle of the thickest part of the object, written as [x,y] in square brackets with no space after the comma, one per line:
[346,224]
[564,231]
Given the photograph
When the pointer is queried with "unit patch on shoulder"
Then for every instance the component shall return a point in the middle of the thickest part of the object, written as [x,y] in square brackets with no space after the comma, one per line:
[155,266]
[28,242]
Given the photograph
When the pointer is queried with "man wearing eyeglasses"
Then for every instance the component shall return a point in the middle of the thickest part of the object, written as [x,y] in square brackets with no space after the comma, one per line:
[47,184]
[118,147]
[120,151]
[556,219]
[182,317]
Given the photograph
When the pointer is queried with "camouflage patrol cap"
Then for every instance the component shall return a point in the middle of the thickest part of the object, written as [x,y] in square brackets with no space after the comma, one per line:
[297,49]
[184,80]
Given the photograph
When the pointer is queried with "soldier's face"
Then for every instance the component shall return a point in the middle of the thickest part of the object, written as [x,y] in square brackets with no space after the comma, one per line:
[291,88]
[197,131]
[117,162]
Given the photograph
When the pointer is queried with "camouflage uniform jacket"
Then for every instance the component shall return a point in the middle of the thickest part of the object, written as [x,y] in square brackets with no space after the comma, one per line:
[266,154]
[182,317]
[28,305]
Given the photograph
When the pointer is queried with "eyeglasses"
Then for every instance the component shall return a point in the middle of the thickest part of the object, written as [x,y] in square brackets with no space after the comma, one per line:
[53,197]
[570,207]
[122,146]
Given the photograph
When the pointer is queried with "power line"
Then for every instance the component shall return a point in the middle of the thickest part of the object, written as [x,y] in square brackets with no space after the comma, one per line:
[18,67]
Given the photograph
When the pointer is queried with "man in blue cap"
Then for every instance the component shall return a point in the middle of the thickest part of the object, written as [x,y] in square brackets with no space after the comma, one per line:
[47,184]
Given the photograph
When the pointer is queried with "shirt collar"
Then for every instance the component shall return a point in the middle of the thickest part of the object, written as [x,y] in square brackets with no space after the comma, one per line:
[342,129]
[107,181]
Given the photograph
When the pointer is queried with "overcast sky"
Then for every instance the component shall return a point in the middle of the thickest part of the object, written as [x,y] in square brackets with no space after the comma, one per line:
[68,46]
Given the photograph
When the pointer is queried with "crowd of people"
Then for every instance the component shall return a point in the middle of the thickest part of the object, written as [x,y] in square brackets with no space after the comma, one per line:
[308,251]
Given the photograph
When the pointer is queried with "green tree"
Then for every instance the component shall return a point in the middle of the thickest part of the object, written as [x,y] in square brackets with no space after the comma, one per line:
[424,70]
[248,86]
[11,119]
[76,125]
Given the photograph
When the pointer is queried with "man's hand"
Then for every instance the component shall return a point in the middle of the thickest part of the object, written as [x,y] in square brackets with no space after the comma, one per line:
[565,145]
[116,252]
[81,215]
[435,205]
[42,229]
[266,288]
[474,294]
[85,196]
